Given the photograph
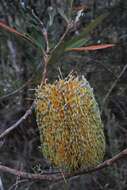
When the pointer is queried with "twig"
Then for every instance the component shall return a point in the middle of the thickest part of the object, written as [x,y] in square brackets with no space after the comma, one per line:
[105,164]
[43,30]
[47,49]
[21,88]
[57,177]
[27,175]
[45,69]
[28,112]
[19,182]
[62,37]
[15,91]
[113,85]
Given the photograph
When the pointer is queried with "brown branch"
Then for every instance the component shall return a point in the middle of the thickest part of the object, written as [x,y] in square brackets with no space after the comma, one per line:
[43,30]
[57,176]
[27,175]
[105,164]
[45,69]
[46,59]
[28,112]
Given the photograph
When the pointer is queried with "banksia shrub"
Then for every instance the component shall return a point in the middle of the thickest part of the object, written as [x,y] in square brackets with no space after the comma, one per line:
[71,130]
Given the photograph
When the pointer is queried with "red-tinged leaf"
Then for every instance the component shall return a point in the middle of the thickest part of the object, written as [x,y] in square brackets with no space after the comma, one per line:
[14,31]
[92,47]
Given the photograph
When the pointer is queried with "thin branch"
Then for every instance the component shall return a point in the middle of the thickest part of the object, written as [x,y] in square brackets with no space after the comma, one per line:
[21,88]
[28,112]
[7,131]
[62,37]
[46,58]
[15,91]
[27,175]
[113,86]
[57,177]
[105,164]
[43,30]
[17,183]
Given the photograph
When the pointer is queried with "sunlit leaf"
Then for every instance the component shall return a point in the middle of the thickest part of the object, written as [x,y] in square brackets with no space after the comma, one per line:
[92,47]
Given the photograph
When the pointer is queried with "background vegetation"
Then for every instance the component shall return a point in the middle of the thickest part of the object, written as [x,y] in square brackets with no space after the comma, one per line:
[21,67]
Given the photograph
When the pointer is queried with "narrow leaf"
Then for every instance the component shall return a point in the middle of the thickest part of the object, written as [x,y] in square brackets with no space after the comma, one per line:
[92,47]
[19,34]
[87,30]
[77,44]
[66,43]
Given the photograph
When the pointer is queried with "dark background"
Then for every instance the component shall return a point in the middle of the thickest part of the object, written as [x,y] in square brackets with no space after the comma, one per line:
[21,72]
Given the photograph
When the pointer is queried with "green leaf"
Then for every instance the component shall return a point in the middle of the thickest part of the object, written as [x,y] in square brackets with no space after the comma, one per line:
[78,40]
[86,32]
[77,44]
[18,34]
[57,53]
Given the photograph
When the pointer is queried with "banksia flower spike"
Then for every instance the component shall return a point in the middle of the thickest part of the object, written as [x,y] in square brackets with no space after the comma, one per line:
[71,130]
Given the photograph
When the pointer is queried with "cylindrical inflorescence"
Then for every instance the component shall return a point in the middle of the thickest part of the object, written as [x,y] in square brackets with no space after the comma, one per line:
[71,130]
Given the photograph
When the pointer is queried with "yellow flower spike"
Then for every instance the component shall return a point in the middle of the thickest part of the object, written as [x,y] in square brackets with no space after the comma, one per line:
[71,132]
